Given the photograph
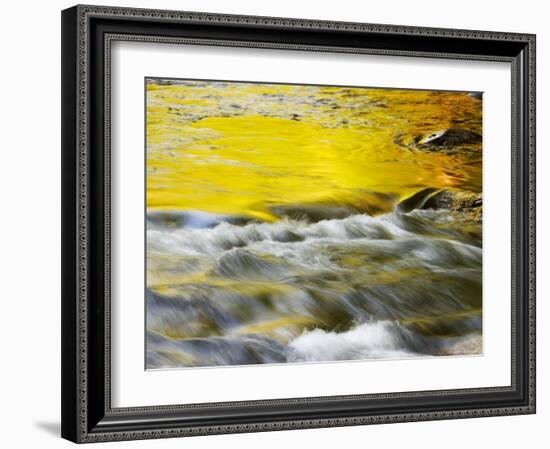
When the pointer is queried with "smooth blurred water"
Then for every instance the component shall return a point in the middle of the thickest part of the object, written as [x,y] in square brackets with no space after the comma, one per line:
[359,287]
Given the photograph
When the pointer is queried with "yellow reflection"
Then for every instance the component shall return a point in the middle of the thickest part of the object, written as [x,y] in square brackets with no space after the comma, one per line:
[238,148]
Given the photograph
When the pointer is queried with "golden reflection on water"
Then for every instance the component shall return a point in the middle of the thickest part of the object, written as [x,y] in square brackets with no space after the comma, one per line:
[239,148]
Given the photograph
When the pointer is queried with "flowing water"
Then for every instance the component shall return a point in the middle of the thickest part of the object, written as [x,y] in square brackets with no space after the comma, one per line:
[304,223]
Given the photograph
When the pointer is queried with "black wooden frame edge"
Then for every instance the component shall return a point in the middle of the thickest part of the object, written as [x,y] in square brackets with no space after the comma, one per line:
[69,360]
[86,412]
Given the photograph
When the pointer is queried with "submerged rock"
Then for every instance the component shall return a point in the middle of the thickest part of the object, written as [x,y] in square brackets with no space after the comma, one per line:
[448,138]
[454,200]
[470,203]
[417,200]
[449,141]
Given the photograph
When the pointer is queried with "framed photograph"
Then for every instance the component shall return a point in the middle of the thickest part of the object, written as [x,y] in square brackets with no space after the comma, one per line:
[276,224]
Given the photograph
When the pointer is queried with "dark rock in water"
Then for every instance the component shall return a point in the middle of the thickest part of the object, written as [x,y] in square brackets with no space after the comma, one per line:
[448,199]
[312,213]
[416,201]
[466,202]
[448,138]
[449,141]
[430,198]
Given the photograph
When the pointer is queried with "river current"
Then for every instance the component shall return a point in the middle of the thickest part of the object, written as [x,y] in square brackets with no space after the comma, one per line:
[396,285]
[319,234]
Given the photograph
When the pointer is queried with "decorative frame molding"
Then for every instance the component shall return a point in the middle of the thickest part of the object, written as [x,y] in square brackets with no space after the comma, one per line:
[88,32]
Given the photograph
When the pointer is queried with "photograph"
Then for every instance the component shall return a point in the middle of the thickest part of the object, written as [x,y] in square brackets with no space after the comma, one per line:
[299,223]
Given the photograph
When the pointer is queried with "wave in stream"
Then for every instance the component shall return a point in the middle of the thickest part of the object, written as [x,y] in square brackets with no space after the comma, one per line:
[232,292]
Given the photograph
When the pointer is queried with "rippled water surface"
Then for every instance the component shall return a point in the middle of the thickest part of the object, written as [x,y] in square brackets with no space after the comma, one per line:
[308,223]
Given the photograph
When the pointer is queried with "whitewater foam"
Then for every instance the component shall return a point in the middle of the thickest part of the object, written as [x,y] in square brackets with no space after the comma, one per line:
[375,340]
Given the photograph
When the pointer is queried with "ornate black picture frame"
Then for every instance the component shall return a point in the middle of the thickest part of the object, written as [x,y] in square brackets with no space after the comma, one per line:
[87,34]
